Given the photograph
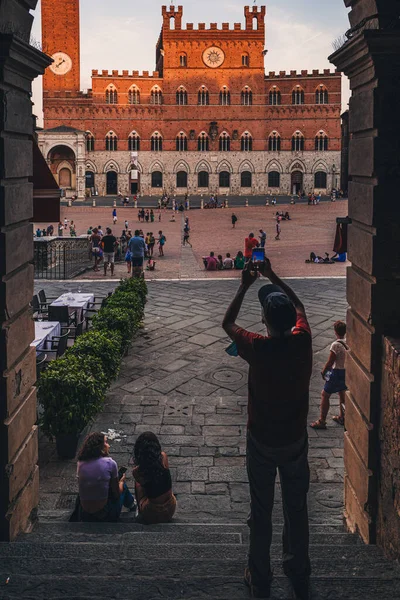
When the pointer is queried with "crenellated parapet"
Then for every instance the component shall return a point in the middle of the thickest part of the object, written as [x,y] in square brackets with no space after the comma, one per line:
[125,74]
[254,21]
[304,73]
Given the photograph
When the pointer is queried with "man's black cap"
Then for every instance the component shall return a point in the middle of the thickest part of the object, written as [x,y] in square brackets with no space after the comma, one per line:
[279,310]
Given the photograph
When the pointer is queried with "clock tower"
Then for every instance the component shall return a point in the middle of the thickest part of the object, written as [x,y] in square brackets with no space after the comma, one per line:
[60,40]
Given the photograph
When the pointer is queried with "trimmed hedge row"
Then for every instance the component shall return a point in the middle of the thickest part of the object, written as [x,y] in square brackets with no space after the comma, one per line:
[72,389]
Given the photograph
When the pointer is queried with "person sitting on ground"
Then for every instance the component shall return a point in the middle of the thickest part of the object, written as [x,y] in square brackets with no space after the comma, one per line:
[228,262]
[102,490]
[286,216]
[239,261]
[220,262]
[151,265]
[334,375]
[153,487]
[339,257]
[210,262]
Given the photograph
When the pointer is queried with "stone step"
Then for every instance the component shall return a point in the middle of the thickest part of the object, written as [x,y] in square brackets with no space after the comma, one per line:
[213,588]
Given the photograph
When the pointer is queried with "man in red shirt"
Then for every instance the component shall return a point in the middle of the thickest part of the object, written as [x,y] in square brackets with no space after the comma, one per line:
[280,366]
[249,244]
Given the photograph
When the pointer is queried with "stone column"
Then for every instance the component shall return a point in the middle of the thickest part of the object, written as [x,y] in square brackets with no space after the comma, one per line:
[371,59]
[20,63]
[80,166]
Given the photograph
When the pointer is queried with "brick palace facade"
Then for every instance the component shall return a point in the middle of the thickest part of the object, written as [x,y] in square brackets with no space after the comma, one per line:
[207,120]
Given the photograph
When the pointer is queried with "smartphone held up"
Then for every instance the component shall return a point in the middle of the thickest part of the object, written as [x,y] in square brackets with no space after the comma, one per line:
[258,258]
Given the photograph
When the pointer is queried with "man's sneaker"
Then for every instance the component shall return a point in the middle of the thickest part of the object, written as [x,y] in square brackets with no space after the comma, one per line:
[257,591]
[301,588]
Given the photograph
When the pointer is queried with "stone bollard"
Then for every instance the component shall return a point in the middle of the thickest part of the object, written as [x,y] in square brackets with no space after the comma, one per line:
[202,204]
[227,203]
[188,204]
[94,203]
[247,203]
[69,202]
[115,204]
[135,203]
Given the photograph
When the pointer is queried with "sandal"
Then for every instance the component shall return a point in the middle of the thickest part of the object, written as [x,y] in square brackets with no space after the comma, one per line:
[318,424]
[338,419]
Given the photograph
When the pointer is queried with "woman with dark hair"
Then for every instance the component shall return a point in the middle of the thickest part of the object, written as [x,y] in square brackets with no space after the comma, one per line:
[102,489]
[153,486]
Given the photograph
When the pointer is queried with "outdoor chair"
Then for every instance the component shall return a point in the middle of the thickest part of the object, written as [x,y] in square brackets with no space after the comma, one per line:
[76,332]
[41,360]
[94,307]
[63,315]
[44,299]
[38,310]
[58,345]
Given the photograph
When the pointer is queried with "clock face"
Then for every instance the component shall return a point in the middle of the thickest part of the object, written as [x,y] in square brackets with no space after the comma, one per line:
[62,63]
[213,57]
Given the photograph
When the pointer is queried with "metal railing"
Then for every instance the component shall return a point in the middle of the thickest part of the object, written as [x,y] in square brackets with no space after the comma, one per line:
[57,258]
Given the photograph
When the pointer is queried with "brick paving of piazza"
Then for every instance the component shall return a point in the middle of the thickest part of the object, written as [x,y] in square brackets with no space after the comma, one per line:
[312,228]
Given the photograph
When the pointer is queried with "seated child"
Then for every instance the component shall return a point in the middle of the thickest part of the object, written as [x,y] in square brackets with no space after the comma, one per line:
[228,262]
[151,265]
[220,263]
[239,261]
[153,487]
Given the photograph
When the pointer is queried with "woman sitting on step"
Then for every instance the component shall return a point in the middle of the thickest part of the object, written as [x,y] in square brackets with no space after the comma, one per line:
[102,489]
[153,487]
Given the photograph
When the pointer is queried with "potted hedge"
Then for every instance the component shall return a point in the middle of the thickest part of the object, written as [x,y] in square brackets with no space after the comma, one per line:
[103,344]
[71,392]
[124,320]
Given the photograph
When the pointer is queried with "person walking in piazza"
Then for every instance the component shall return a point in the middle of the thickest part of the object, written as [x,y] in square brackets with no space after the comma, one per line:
[137,248]
[60,229]
[263,238]
[126,224]
[65,223]
[114,215]
[234,220]
[109,244]
[151,216]
[280,368]
[278,228]
[161,243]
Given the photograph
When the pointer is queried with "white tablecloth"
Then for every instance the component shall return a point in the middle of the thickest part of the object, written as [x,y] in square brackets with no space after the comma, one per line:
[45,330]
[75,302]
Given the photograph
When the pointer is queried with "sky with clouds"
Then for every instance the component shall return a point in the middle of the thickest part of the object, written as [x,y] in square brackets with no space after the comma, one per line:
[122,34]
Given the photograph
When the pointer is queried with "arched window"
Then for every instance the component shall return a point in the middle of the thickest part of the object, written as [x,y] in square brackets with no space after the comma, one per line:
[298,142]
[246,142]
[203,96]
[89,179]
[134,95]
[203,179]
[89,142]
[247,96]
[245,179]
[245,60]
[183,60]
[224,142]
[156,96]
[64,178]
[203,142]
[156,142]
[111,142]
[298,96]
[321,95]
[134,142]
[274,97]
[225,97]
[111,95]
[274,142]
[181,142]
[321,142]
[274,179]
[156,179]
[181,179]
[224,179]
[181,97]
[320,180]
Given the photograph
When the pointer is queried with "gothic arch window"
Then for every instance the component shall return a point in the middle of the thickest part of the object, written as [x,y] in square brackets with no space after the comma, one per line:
[224,179]
[247,96]
[156,142]
[203,142]
[321,95]
[225,97]
[224,142]
[181,142]
[245,60]
[203,179]
[156,179]
[183,59]
[298,95]
[181,179]
[274,179]
[134,142]
[111,142]
[156,96]
[89,142]
[246,142]
[111,95]
[275,97]
[203,96]
[274,142]
[245,179]
[321,142]
[181,96]
[134,95]
[298,142]
[320,180]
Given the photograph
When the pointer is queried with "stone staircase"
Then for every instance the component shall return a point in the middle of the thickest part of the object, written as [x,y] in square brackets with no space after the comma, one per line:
[183,560]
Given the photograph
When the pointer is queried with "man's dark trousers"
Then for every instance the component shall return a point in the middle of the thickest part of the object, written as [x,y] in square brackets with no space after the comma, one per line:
[294,473]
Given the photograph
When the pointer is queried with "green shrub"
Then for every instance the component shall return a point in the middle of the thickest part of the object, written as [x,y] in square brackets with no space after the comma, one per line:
[136,285]
[71,392]
[127,300]
[124,320]
[104,345]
